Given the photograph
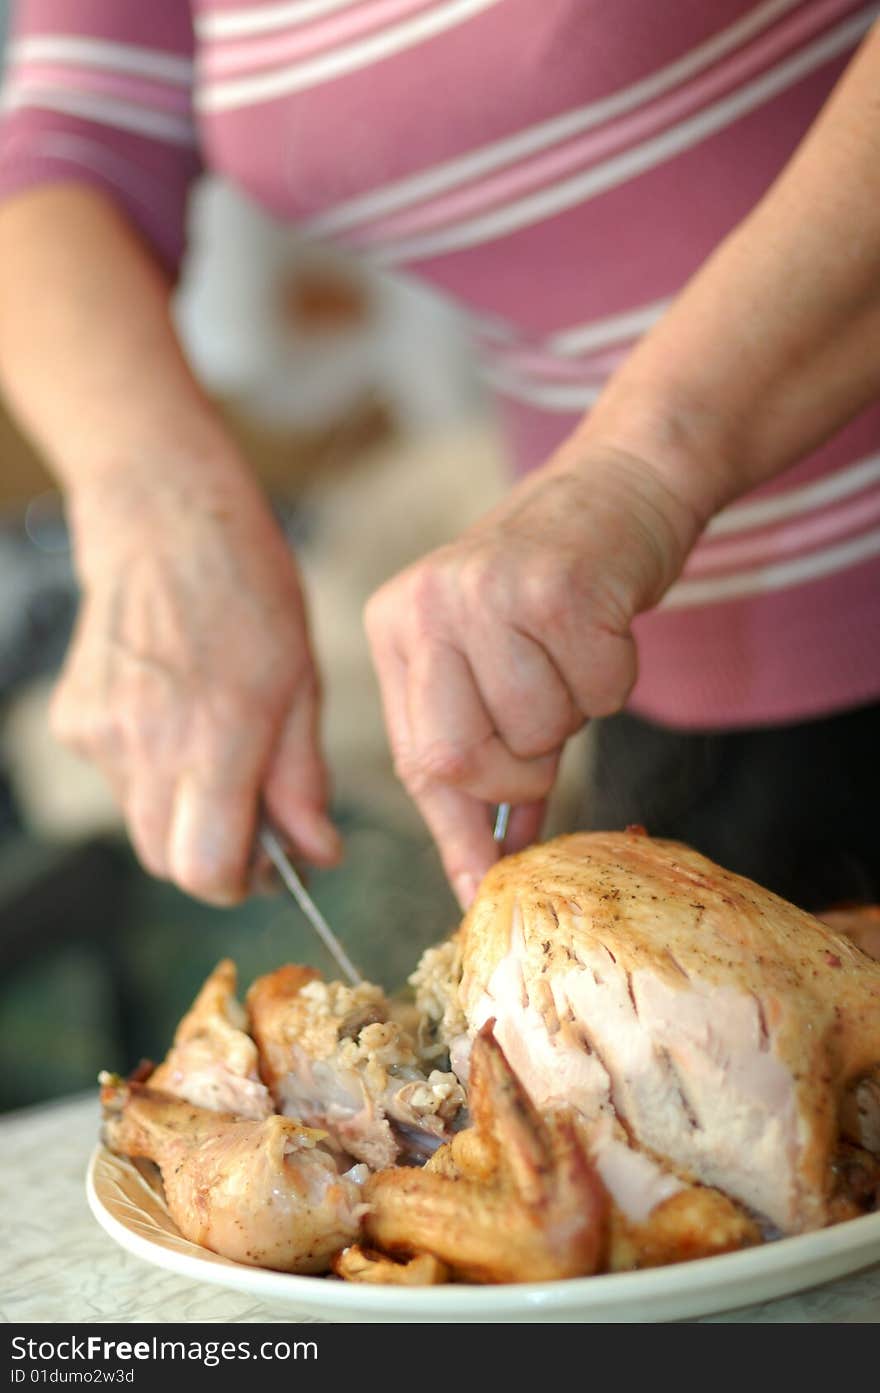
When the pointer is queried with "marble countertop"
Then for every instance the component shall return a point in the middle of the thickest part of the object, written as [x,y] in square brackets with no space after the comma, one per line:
[59,1266]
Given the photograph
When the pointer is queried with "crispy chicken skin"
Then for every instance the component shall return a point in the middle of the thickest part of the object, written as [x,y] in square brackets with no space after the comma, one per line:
[512,1199]
[213,1061]
[263,1193]
[636,982]
[694,1223]
[333,1057]
[357,1264]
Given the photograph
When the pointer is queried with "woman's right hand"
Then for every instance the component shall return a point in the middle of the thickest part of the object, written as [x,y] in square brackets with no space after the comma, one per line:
[190,681]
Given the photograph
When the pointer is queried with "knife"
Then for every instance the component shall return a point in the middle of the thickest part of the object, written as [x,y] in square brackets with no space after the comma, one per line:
[502,818]
[270,842]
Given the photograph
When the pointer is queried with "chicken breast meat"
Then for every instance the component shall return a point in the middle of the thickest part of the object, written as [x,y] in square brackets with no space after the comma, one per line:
[702,1029]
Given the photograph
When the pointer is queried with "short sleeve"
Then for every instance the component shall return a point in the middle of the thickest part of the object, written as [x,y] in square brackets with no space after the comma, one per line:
[100,91]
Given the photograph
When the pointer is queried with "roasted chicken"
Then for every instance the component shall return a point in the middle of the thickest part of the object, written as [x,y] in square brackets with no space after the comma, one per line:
[265,1193]
[650,1060]
[700,1027]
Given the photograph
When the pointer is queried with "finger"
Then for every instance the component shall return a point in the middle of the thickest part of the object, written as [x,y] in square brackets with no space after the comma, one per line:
[153,730]
[145,805]
[529,703]
[391,672]
[461,829]
[215,805]
[599,673]
[265,879]
[148,805]
[295,788]
[453,735]
[85,732]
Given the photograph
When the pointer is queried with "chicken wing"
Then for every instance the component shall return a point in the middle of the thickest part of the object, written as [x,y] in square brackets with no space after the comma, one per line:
[512,1199]
[213,1061]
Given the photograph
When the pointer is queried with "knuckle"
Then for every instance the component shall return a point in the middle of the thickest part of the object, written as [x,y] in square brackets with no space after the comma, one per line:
[607,700]
[484,587]
[533,779]
[441,762]
[79,727]
[278,668]
[548,593]
[136,725]
[543,778]
[407,768]
[604,688]
[425,595]
[226,707]
[413,600]
[532,741]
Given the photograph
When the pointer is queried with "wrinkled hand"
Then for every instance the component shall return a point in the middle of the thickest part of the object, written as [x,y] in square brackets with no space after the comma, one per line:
[189,680]
[492,651]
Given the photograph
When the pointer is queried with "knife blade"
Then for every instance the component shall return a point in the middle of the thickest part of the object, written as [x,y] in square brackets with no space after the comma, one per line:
[271,844]
[502,818]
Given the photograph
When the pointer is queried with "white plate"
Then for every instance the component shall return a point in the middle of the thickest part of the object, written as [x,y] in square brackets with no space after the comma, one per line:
[135,1216]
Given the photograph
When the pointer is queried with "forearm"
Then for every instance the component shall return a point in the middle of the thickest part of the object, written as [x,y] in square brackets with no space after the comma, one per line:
[89,359]
[776,342]
[189,680]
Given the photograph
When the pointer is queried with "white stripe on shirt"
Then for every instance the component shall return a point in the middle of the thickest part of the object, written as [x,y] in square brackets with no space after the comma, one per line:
[105,111]
[246,91]
[102,54]
[805,498]
[568,398]
[426,184]
[603,333]
[578,188]
[693,594]
[262,19]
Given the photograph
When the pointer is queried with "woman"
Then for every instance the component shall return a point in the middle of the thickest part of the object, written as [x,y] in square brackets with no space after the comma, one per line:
[563,167]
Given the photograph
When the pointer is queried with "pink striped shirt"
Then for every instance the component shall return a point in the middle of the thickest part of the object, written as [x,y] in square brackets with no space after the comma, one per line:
[560,167]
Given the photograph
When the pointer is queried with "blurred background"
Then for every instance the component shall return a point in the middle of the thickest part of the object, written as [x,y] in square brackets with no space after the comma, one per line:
[358,401]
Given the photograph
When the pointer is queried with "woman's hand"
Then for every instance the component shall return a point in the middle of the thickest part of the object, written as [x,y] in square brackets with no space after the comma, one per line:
[493,650]
[189,680]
